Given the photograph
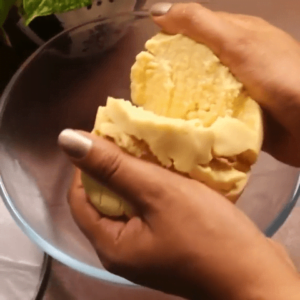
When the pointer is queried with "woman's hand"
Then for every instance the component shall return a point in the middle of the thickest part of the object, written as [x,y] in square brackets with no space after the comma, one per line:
[185,239]
[264,58]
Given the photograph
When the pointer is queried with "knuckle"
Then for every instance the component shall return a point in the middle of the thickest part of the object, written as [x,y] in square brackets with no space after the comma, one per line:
[254,23]
[121,258]
[69,196]
[112,265]
[109,164]
[238,47]
[243,41]
[190,9]
[257,20]
[185,12]
[108,265]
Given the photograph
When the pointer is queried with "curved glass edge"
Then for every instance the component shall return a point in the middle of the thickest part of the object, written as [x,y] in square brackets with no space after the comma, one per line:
[281,218]
[44,277]
[102,274]
[52,251]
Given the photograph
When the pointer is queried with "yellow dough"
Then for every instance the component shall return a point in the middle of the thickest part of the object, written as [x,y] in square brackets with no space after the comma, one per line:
[193,117]
[104,200]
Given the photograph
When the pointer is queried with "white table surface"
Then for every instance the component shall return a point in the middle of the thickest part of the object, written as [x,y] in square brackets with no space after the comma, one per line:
[20,261]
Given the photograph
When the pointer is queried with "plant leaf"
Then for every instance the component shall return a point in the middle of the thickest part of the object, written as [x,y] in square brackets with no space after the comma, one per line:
[37,8]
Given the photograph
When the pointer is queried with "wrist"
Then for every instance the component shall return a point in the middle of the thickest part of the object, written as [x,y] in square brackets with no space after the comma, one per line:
[272,291]
[274,278]
[258,274]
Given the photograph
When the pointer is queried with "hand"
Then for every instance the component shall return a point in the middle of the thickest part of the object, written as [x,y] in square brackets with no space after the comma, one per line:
[264,58]
[185,239]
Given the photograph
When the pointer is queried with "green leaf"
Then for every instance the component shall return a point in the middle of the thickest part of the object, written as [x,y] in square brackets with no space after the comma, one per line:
[5,6]
[36,8]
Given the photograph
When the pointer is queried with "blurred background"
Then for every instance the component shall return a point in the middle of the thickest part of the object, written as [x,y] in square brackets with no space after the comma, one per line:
[18,41]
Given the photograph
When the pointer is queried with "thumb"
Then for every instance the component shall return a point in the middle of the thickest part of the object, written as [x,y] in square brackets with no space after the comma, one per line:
[135,180]
[196,22]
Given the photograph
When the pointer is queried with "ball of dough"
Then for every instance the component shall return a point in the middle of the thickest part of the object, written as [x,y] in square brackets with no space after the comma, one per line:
[192,116]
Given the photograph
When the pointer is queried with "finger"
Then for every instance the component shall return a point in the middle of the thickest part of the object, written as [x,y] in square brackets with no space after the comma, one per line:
[101,231]
[137,181]
[245,21]
[196,22]
[85,215]
[81,208]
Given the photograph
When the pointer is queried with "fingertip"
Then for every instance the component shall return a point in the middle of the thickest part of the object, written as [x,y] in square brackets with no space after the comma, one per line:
[160,9]
[98,229]
[167,13]
[74,143]
[195,21]
[103,161]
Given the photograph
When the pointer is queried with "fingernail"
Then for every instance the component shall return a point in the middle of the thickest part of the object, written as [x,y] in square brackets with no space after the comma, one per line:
[74,144]
[160,9]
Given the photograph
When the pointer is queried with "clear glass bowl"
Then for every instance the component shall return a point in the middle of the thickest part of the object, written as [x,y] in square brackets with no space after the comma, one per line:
[60,86]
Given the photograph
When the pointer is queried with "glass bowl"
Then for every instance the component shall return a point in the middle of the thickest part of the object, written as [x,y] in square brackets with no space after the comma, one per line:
[61,86]
[26,39]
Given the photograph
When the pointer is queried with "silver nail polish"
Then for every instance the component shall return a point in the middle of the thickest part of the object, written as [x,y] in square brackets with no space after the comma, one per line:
[160,9]
[74,144]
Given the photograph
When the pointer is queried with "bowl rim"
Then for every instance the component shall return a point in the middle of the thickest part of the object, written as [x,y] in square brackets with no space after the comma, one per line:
[44,244]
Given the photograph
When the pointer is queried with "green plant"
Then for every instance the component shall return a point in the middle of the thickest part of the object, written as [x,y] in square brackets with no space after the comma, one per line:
[31,9]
